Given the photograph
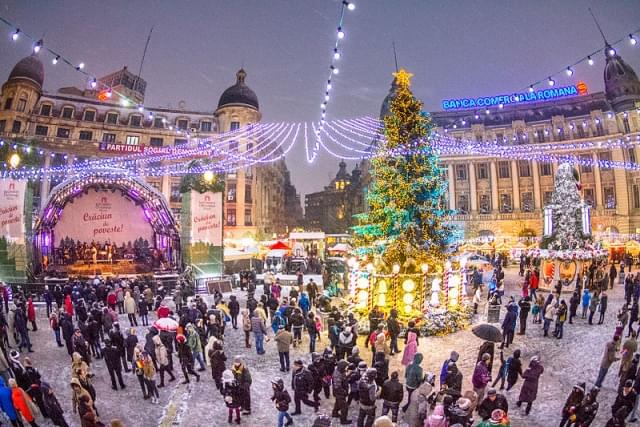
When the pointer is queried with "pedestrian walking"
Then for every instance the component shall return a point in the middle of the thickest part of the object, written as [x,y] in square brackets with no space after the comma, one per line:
[283,340]
[529,390]
[572,404]
[410,349]
[243,378]
[301,384]
[114,366]
[481,376]
[586,300]
[367,391]
[162,358]
[186,359]
[341,392]
[392,394]
[602,307]
[608,358]
[282,399]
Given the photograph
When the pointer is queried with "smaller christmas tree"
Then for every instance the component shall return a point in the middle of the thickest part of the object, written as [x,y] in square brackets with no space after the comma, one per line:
[567,208]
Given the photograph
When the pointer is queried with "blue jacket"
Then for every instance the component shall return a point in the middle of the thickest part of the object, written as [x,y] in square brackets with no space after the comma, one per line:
[277,321]
[304,303]
[5,401]
[586,298]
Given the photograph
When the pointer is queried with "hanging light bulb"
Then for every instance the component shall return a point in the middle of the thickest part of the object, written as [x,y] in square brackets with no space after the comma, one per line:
[326,97]
[569,71]
[14,160]
[611,51]
[94,83]
[335,70]
[349,5]
[37,46]
[551,81]
[632,40]
[590,60]
[150,115]
[140,108]
[109,94]
[55,60]
[15,35]
[80,66]
[340,33]
[336,54]
[329,85]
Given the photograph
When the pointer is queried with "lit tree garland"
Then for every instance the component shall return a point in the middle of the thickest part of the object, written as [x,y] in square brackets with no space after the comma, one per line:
[407,214]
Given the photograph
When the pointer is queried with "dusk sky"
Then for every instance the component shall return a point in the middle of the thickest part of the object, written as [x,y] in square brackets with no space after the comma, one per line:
[454,48]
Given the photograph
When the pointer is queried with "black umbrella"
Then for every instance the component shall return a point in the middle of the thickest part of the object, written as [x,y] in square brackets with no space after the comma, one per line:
[487,332]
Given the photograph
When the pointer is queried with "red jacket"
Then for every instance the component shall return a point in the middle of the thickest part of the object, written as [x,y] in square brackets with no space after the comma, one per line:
[31,310]
[111,299]
[68,306]
[534,281]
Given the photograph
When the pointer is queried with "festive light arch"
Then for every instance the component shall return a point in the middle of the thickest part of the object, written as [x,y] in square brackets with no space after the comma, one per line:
[155,208]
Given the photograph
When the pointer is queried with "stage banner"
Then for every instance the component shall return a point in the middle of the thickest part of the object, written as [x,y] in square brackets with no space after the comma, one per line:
[103,216]
[201,233]
[12,225]
[206,218]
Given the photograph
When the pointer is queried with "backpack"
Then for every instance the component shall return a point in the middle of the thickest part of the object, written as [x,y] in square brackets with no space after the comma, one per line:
[363,393]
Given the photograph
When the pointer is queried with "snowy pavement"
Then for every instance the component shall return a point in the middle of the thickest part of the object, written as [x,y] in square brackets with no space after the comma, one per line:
[573,359]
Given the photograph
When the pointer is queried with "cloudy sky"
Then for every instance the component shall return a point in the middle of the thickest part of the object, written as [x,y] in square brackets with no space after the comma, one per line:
[455,49]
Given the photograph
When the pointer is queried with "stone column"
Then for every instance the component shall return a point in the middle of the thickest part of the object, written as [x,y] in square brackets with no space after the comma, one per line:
[515,185]
[452,187]
[537,202]
[473,188]
[597,182]
[494,187]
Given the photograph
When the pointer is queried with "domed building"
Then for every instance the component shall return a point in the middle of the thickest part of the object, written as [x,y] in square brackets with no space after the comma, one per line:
[87,123]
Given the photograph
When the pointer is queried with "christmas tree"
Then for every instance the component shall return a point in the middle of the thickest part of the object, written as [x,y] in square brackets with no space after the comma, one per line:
[407,218]
[566,206]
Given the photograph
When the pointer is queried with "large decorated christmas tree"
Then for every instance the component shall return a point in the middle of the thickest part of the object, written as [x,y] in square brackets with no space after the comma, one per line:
[567,231]
[407,216]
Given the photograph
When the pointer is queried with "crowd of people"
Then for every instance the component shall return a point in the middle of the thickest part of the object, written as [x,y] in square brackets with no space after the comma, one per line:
[85,320]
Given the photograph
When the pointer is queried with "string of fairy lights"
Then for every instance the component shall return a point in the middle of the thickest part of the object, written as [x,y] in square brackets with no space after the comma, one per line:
[347,139]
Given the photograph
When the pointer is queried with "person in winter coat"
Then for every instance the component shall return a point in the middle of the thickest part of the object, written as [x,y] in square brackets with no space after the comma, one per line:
[143,311]
[586,301]
[78,366]
[509,325]
[367,390]
[301,384]
[593,306]
[195,344]
[114,366]
[629,348]
[283,341]
[493,401]
[234,311]
[88,416]
[162,358]
[54,410]
[603,307]
[23,403]
[130,343]
[282,400]
[481,376]
[149,377]
[453,357]
[130,307]
[561,317]
[487,347]
[608,358]
[525,307]
[232,395]
[217,360]
[588,410]
[453,383]
[410,349]
[413,377]
[574,302]
[529,390]
[502,372]
[6,404]
[340,392]
[623,405]
[437,418]
[345,343]
[186,359]
[418,408]
[633,317]
[514,369]
[572,404]
[460,413]
[259,331]
[392,394]
[243,379]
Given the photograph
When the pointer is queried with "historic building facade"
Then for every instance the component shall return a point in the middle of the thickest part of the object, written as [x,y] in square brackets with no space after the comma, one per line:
[82,122]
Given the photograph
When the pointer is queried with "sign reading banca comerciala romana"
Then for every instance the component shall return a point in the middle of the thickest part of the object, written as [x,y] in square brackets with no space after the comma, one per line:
[515,98]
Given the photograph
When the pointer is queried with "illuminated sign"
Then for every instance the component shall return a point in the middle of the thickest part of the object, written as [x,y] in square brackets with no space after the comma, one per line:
[515,98]
[131,149]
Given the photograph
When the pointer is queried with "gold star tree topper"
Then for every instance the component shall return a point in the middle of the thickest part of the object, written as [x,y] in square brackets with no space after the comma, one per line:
[403,77]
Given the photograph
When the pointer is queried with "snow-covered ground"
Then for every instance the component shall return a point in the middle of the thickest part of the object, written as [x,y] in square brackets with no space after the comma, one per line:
[573,359]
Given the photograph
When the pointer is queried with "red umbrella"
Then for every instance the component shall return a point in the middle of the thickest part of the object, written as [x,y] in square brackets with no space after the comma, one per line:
[166,324]
[279,245]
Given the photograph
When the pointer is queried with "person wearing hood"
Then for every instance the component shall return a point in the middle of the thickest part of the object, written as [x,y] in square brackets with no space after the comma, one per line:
[410,349]
[509,325]
[186,359]
[367,391]
[130,308]
[282,399]
[78,366]
[453,384]
[529,390]
[623,405]
[23,403]
[514,369]
[413,377]
[572,404]
[418,408]
[66,326]
[234,311]
[54,410]
[232,395]
[304,304]
[340,392]
[453,357]
[585,302]
[217,360]
[194,343]
[6,403]
[437,418]
[162,358]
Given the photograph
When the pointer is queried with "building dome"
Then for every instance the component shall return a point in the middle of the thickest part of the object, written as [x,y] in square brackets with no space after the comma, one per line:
[239,93]
[621,83]
[29,68]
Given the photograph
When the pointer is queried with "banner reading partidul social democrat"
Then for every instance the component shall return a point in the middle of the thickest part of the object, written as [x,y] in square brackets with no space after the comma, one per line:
[206,218]
[12,210]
